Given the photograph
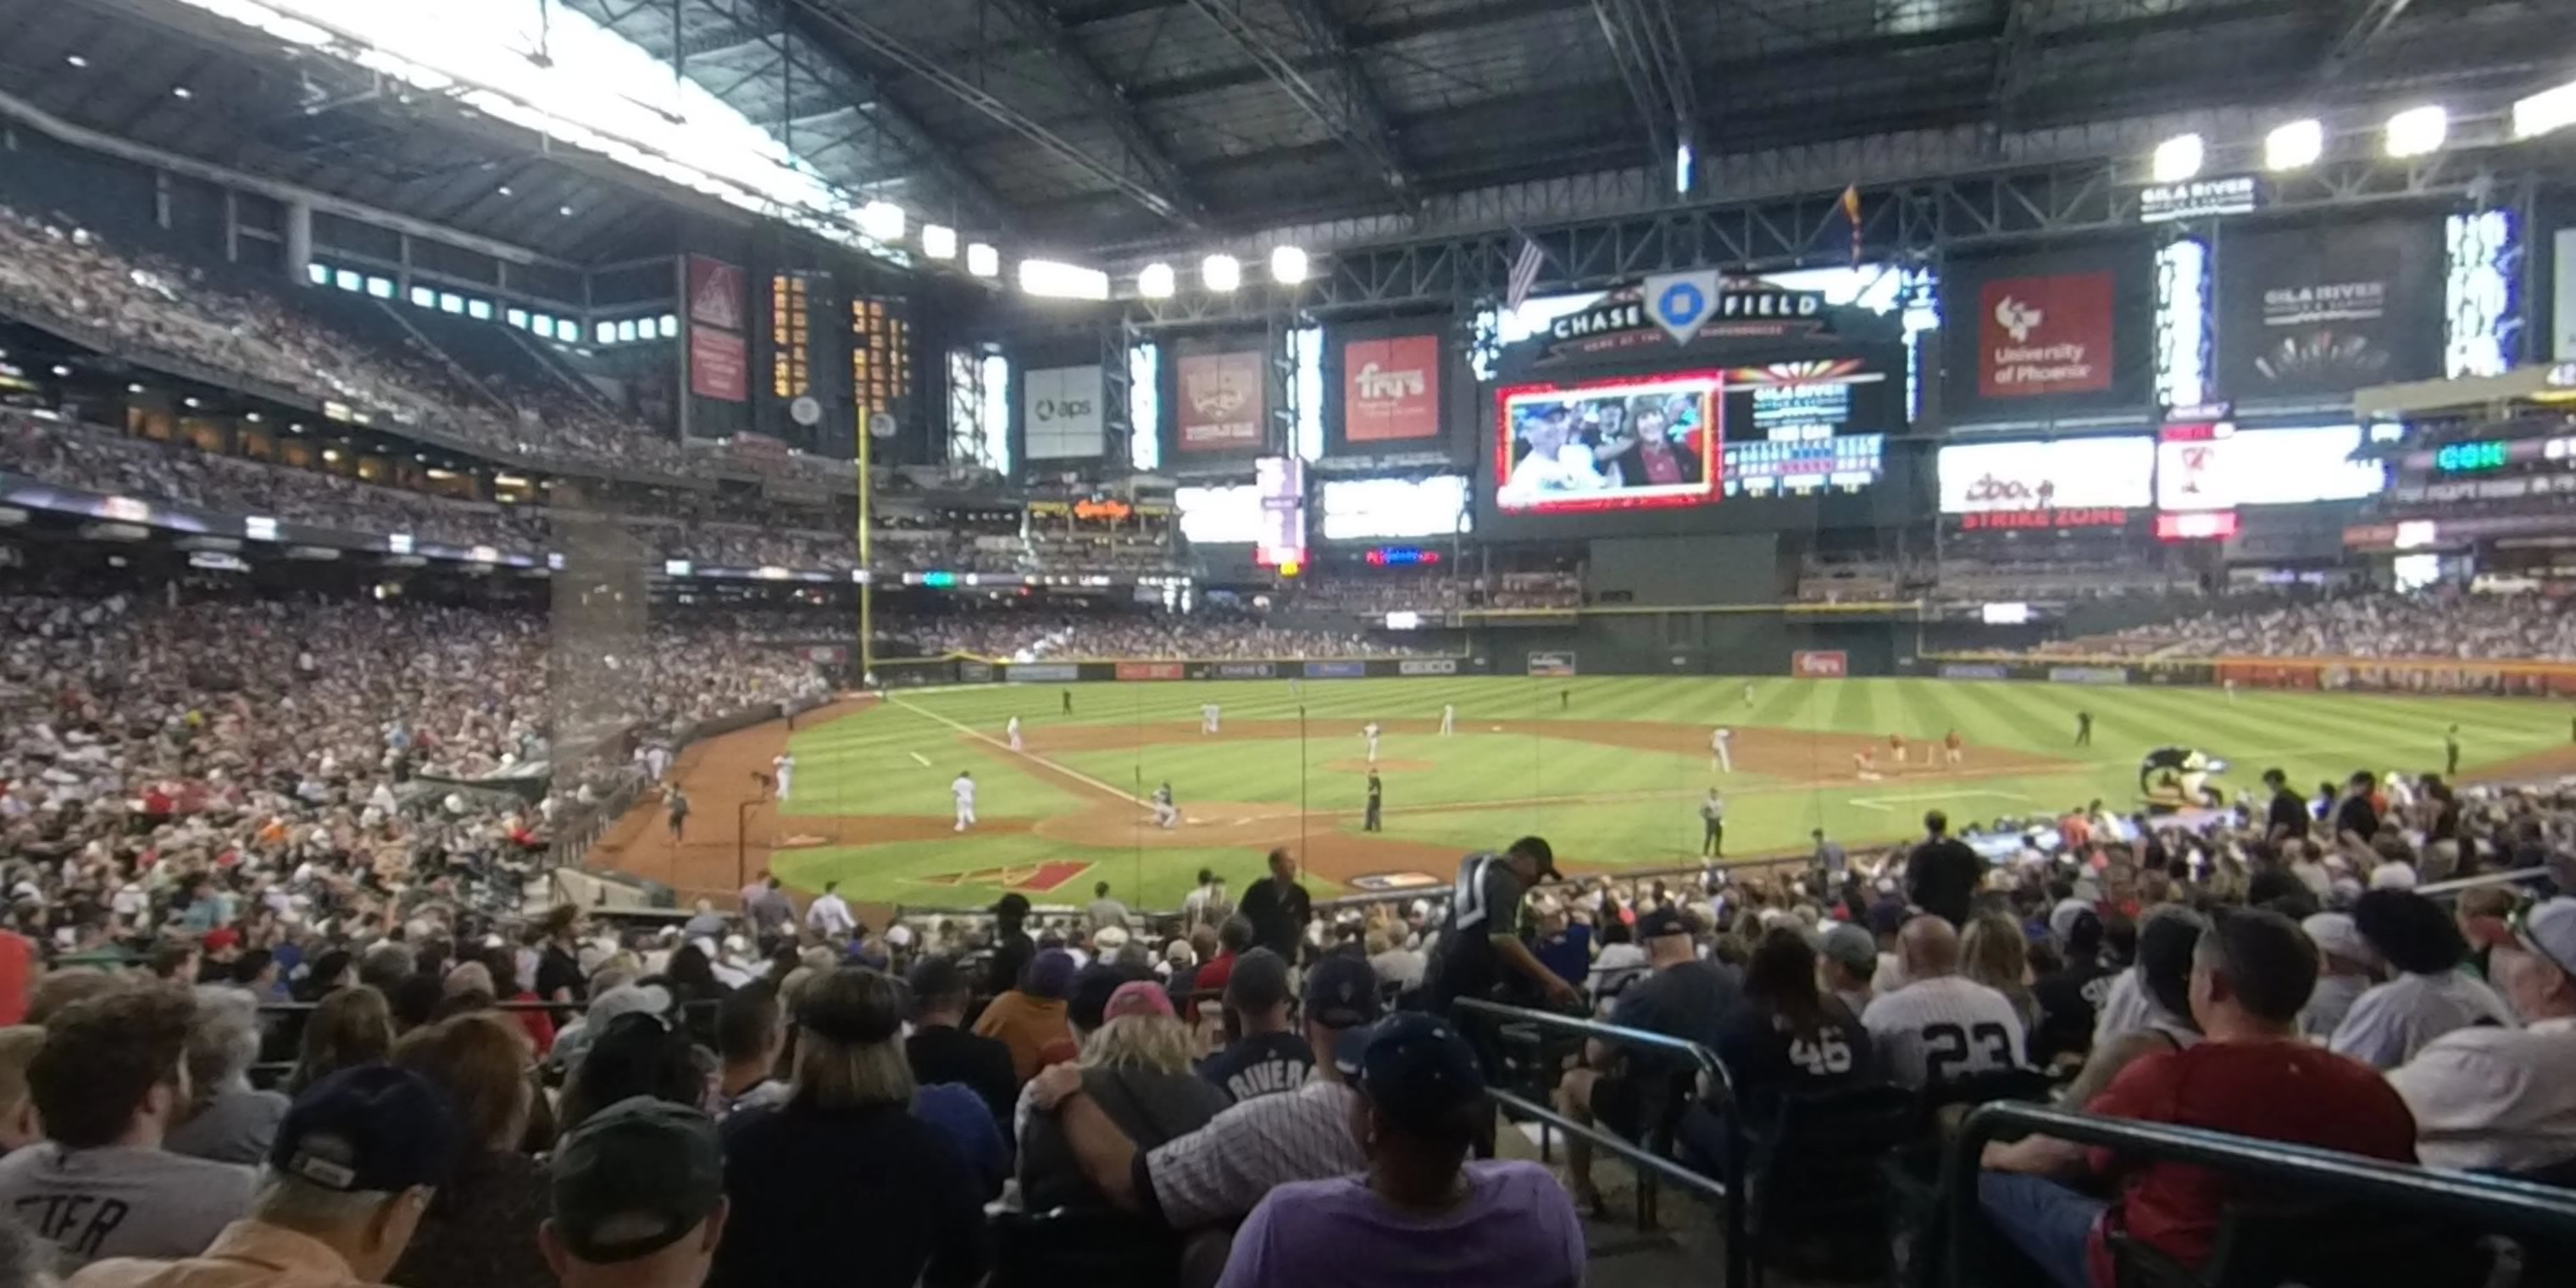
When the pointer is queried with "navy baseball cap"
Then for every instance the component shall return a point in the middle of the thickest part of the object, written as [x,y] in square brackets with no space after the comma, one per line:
[1414,1067]
[635,1178]
[1341,991]
[369,1129]
[1659,922]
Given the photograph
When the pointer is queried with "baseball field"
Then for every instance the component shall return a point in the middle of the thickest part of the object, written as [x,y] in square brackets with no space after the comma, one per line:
[1611,770]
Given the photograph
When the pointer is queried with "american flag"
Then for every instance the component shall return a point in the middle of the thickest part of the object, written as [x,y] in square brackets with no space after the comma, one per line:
[1524,273]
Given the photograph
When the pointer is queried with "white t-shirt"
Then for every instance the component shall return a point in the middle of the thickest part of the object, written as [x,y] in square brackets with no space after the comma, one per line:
[2494,1098]
[1943,1029]
[2390,1023]
[963,789]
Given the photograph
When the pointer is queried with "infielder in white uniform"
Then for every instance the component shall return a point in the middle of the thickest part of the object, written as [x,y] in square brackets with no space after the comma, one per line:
[783,768]
[1720,751]
[1012,731]
[1208,718]
[1165,813]
[1448,719]
[1370,732]
[963,788]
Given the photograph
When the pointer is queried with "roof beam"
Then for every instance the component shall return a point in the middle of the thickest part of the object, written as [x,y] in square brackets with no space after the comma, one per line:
[2368,18]
[1062,53]
[1653,63]
[877,40]
[1340,98]
[2016,58]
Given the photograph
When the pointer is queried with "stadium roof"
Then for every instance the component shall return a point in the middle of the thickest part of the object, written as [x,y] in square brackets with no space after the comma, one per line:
[1086,126]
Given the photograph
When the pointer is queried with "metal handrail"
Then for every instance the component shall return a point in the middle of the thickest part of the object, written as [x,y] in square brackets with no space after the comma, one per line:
[2455,885]
[1729,1191]
[2492,1203]
[1731,867]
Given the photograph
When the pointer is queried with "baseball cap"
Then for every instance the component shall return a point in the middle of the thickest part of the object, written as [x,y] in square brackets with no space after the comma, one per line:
[369,1129]
[1341,991]
[1537,848]
[1259,981]
[1413,1067]
[2548,928]
[1852,946]
[635,1178]
[1138,997]
[1656,923]
[2335,934]
[1049,974]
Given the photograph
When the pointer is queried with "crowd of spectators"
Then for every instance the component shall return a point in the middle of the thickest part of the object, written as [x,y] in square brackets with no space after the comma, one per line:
[2446,625]
[148,305]
[1036,636]
[1257,1093]
[1532,590]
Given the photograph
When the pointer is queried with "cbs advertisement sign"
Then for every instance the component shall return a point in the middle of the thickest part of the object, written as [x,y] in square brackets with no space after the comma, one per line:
[2064,474]
[2050,333]
[2322,311]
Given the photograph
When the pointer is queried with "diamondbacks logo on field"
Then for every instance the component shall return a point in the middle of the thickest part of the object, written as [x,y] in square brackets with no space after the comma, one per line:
[1040,877]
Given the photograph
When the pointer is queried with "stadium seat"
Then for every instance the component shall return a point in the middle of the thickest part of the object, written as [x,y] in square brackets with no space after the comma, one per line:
[1068,1246]
[1811,1177]
[2317,1244]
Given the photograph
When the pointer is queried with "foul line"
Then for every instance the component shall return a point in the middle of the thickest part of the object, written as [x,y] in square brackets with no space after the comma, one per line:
[1005,748]
[922,760]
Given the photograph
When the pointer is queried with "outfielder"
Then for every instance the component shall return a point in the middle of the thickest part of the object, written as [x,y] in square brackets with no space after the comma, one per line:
[1721,749]
[1748,694]
[783,768]
[1448,718]
[1208,718]
[1166,814]
[1369,731]
[1012,731]
[963,788]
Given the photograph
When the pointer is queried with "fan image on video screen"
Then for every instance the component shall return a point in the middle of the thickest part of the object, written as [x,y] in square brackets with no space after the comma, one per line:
[1613,444]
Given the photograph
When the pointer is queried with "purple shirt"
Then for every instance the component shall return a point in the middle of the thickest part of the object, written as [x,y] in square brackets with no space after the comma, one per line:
[1516,1229]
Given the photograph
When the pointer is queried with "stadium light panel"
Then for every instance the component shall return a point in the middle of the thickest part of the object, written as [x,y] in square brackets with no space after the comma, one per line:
[882,220]
[76,60]
[939,241]
[1048,279]
[1221,273]
[1156,281]
[982,260]
[2550,109]
[1287,265]
[2417,131]
[2295,145]
[1683,159]
[2178,158]
[182,91]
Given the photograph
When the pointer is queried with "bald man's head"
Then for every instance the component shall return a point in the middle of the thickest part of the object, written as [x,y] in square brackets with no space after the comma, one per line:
[1928,947]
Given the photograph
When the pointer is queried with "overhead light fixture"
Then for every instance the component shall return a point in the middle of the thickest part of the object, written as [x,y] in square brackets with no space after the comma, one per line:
[882,220]
[76,60]
[1051,280]
[1683,161]
[1156,281]
[1221,273]
[565,211]
[182,91]
[1287,265]
[2417,131]
[134,389]
[982,260]
[505,191]
[2550,109]
[2292,146]
[61,370]
[939,241]
[190,402]
[2178,158]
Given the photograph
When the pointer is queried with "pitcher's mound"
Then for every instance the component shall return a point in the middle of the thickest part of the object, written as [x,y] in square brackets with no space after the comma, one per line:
[1358,766]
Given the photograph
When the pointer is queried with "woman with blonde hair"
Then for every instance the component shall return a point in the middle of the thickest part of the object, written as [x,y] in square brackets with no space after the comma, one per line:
[1137,1067]
[845,1164]
[349,1028]
[1993,953]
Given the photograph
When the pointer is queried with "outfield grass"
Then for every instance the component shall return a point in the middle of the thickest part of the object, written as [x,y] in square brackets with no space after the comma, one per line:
[1488,786]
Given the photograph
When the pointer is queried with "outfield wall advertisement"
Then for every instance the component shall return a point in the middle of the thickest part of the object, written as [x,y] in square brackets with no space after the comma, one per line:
[1276,669]
[2354,675]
